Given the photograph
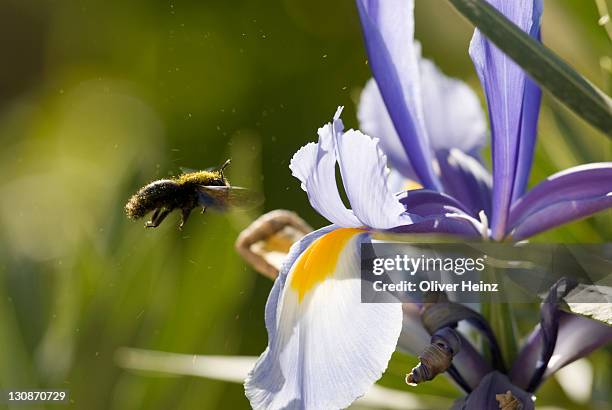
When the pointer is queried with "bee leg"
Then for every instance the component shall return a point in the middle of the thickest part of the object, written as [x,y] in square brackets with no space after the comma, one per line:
[184,217]
[149,224]
[158,217]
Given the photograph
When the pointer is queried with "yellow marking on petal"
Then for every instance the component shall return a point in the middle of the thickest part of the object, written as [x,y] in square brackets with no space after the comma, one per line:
[410,185]
[319,260]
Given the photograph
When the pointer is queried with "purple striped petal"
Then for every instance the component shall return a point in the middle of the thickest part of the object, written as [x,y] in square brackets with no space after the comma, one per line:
[441,213]
[466,179]
[425,202]
[388,29]
[512,113]
[529,127]
[442,225]
[559,214]
[531,110]
[569,195]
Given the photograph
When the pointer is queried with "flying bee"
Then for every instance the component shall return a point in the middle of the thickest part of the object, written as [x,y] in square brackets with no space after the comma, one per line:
[206,189]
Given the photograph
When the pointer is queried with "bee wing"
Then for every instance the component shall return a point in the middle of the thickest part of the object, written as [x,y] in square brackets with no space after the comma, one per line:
[223,197]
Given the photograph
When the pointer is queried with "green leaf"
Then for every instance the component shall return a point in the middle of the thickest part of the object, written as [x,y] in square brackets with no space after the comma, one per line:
[543,65]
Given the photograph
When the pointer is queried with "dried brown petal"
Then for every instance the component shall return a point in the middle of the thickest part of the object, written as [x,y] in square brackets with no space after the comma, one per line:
[265,243]
[436,358]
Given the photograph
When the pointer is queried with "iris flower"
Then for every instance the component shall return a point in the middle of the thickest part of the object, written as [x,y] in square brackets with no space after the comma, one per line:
[325,347]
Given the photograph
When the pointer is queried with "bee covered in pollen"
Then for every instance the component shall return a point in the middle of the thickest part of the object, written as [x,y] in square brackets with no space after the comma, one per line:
[205,189]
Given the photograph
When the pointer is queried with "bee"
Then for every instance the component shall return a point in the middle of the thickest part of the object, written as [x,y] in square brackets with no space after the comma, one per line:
[206,189]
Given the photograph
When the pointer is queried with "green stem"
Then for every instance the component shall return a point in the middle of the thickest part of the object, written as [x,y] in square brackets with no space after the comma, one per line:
[502,321]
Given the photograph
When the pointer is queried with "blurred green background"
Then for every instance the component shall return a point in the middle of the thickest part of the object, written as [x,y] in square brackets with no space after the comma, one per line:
[99,97]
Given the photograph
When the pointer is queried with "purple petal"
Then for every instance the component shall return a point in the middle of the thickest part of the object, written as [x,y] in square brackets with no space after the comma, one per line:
[529,128]
[529,125]
[563,197]
[531,363]
[470,364]
[578,336]
[524,366]
[440,213]
[388,29]
[559,214]
[443,225]
[425,202]
[560,339]
[549,323]
[466,179]
[512,122]
[493,384]
[531,110]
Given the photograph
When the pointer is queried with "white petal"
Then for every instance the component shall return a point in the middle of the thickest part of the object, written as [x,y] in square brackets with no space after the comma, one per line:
[375,121]
[326,348]
[453,115]
[315,166]
[364,171]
